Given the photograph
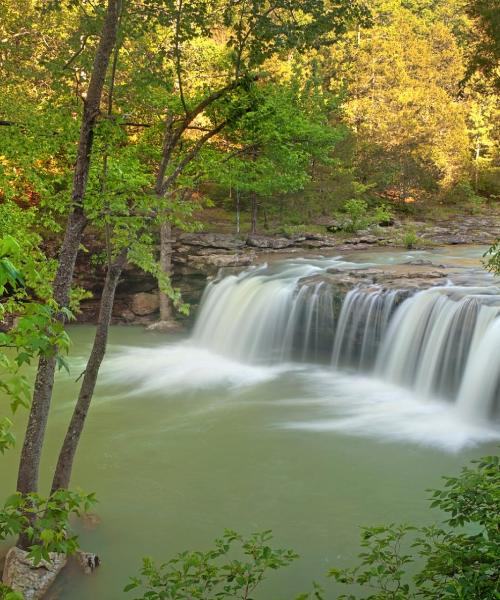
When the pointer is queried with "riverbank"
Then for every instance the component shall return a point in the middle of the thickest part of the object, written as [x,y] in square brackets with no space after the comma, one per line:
[199,256]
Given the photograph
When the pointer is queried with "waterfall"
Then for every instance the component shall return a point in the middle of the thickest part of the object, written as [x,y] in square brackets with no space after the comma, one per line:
[265,316]
[442,342]
[362,323]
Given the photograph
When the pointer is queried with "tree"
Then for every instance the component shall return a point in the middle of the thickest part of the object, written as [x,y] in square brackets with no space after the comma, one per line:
[77,220]
[273,148]
[403,83]
[486,46]
[235,42]
[178,152]
[37,333]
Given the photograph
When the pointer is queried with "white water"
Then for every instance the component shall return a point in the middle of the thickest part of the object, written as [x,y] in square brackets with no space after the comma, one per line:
[423,368]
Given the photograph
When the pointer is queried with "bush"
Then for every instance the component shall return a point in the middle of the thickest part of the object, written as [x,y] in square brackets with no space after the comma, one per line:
[213,575]
[461,560]
[492,256]
[357,212]
[383,215]
[410,238]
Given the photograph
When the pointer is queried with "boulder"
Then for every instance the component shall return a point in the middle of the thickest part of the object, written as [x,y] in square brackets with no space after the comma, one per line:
[334,226]
[145,303]
[368,239]
[32,581]
[166,326]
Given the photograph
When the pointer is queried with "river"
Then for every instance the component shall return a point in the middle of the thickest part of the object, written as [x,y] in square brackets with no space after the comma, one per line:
[183,441]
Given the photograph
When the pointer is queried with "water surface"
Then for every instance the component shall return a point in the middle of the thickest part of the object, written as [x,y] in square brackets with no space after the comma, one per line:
[182,443]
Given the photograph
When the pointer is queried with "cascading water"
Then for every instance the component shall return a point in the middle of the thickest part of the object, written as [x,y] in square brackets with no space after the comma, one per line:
[443,342]
[263,314]
[362,323]
[435,336]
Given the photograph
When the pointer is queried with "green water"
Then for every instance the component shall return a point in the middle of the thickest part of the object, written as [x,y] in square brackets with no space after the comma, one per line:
[173,467]
[181,444]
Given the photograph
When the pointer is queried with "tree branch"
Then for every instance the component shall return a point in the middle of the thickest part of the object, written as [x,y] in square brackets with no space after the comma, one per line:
[190,156]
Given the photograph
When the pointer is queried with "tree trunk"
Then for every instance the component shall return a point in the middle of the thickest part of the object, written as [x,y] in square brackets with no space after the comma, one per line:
[35,432]
[476,166]
[255,208]
[64,466]
[166,267]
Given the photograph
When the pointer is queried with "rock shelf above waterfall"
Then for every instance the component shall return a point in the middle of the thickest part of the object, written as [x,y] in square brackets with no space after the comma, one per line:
[387,279]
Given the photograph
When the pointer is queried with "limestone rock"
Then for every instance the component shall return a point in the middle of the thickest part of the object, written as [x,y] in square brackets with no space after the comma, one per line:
[165,326]
[145,303]
[273,243]
[29,580]
[88,561]
[334,226]
[212,240]
[223,260]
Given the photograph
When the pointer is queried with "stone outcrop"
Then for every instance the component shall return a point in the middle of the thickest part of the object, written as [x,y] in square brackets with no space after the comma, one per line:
[409,280]
[224,241]
[269,242]
[32,581]
[88,561]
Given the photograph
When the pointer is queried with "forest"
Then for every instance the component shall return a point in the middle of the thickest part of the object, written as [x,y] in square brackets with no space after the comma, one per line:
[290,198]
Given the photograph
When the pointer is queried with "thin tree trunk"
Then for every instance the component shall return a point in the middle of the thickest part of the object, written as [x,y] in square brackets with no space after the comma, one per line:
[35,432]
[255,208]
[64,466]
[166,266]
[476,166]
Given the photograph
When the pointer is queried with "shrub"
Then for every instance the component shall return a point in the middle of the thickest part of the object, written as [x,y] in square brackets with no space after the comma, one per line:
[215,574]
[357,213]
[383,215]
[461,560]
[492,256]
[410,238]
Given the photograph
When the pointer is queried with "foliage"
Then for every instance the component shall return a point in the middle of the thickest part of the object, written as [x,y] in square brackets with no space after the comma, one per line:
[382,565]
[492,256]
[44,520]
[458,560]
[273,146]
[410,238]
[215,574]
[383,215]
[357,213]
[37,330]
[461,560]
[486,49]
[7,593]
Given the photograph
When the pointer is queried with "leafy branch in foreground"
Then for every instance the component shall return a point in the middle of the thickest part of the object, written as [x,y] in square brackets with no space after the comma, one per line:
[36,330]
[6,593]
[492,256]
[213,574]
[461,558]
[45,521]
